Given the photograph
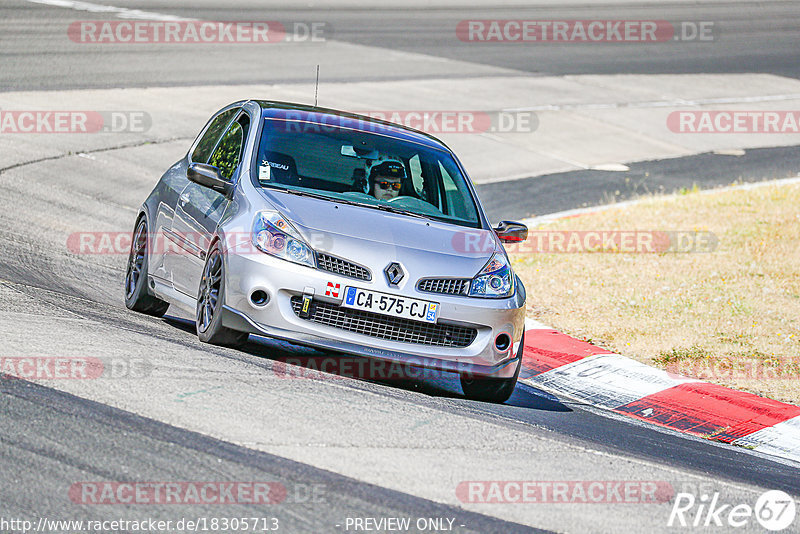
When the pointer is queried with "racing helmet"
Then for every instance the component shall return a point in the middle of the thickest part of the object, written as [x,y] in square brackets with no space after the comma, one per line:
[385,166]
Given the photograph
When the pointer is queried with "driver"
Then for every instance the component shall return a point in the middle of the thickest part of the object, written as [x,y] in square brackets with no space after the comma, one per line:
[386,175]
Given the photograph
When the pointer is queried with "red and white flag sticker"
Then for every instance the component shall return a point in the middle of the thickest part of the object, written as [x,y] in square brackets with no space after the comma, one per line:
[332,290]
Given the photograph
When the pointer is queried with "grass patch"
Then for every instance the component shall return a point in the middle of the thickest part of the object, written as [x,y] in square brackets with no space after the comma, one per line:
[732,315]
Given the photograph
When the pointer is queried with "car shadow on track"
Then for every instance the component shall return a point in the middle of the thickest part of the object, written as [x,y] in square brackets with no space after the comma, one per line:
[292,361]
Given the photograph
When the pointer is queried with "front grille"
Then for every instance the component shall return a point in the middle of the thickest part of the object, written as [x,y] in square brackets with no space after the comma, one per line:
[326,262]
[386,326]
[447,286]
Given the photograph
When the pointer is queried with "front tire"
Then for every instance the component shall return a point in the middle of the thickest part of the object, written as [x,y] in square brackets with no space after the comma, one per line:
[210,297]
[137,297]
[497,390]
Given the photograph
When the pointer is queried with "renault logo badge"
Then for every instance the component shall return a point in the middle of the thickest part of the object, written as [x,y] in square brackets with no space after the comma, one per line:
[394,273]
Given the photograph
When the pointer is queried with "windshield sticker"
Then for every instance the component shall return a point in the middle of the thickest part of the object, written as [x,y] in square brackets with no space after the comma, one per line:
[281,166]
[263,172]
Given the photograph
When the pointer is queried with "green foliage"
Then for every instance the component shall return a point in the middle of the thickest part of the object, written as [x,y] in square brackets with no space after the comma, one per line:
[226,156]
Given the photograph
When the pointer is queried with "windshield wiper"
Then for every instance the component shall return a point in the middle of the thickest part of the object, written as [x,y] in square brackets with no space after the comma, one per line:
[392,209]
[317,195]
[303,193]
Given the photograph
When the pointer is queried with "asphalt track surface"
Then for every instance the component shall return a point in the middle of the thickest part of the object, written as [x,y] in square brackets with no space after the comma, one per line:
[356,439]
[760,37]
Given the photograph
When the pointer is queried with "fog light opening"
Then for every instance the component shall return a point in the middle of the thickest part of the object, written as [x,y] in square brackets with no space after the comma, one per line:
[259,298]
[502,342]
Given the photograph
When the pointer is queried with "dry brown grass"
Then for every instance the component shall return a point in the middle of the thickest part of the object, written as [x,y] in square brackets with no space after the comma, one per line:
[730,316]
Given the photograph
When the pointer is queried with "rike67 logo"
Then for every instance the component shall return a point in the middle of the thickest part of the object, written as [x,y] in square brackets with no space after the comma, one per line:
[774,510]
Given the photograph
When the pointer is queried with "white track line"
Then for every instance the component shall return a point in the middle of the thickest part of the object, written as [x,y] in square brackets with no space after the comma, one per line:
[121,12]
[679,102]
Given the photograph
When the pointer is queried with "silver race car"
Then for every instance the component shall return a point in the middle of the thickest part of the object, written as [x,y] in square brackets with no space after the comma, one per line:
[334,231]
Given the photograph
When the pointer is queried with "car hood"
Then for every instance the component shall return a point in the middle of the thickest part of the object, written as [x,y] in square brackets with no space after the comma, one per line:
[374,238]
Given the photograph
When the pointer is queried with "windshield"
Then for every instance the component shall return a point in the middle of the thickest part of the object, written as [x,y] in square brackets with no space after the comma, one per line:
[366,168]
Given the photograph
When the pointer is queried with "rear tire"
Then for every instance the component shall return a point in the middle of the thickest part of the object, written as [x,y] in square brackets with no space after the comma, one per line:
[137,296]
[496,390]
[210,298]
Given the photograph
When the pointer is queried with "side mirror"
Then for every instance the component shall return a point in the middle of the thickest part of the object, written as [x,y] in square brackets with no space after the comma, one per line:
[209,176]
[511,232]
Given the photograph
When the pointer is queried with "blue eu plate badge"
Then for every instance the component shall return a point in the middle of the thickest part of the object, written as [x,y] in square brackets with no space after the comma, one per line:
[432,309]
[351,295]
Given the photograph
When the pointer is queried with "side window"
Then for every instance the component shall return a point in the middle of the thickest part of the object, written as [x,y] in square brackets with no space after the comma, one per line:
[203,149]
[228,153]
[457,204]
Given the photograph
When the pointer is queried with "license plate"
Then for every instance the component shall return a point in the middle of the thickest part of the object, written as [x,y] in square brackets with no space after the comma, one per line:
[407,308]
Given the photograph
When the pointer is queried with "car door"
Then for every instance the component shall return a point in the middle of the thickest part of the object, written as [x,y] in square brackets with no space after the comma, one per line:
[200,208]
[175,245]
[170,186]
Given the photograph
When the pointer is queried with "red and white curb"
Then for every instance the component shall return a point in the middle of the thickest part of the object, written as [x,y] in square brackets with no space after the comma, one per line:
[590,374]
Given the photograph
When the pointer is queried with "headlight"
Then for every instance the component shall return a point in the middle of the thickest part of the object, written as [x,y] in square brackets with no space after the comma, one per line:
[496,279]
[274,235]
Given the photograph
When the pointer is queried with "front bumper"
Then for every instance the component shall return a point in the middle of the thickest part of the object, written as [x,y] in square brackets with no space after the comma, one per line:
[281,280]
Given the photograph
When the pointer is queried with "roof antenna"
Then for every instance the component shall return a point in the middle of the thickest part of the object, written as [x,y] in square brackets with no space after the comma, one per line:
[316,88]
